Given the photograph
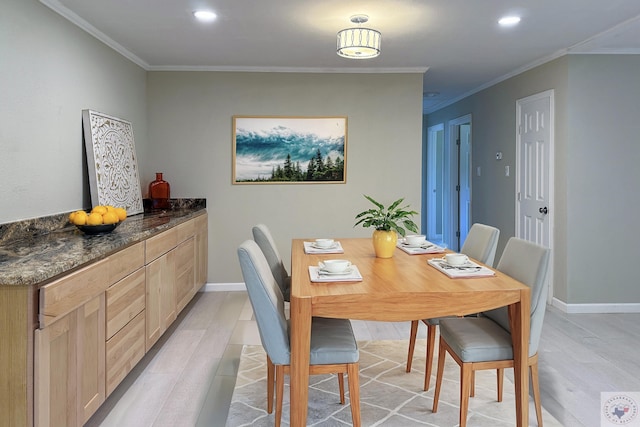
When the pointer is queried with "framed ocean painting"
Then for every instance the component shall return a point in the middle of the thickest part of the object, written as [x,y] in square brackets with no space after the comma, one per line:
[288,150]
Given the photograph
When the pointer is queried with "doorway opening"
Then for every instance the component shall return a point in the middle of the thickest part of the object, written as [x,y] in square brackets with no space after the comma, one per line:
[448,183]
[435,189]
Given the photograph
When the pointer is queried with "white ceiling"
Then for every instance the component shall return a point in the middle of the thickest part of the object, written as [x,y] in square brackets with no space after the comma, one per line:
[457,42]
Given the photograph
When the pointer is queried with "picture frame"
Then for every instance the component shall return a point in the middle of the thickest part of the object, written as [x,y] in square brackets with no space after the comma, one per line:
[289,150]
[112,162]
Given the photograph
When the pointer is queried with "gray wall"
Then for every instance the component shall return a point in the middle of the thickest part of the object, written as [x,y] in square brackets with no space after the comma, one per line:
[50,70]
[603,174]
[596,158]
[190,134]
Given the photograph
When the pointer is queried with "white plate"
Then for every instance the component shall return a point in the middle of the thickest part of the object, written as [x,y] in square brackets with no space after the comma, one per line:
[324,248]
[412,246]
[465,266]
[322,272]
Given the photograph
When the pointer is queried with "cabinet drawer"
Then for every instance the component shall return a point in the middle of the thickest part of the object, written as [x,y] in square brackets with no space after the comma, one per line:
[125,262]
[185,230]
[160,244]
[124,350]
[70,292]
[125,300]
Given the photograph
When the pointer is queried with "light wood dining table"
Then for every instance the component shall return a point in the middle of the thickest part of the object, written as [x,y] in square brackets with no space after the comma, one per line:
[401,288]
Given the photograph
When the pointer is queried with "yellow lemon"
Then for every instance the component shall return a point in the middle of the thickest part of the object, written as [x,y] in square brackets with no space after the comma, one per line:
[71,215]
[122,213]
[110,208]
[99,210]
[110,218]
[94,219]
[80,217]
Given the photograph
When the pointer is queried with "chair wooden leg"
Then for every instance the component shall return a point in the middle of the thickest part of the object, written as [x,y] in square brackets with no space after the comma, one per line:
[500,378]
[353,370]
[279,393]
[270,385]
[412,343]
[341,386]
[466,376]
[431,343]
[472,391]
[536,392]
[436,395]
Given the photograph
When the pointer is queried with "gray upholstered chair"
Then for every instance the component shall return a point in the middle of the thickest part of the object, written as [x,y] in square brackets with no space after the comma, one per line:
[263,238]
[484,342]
[333,345]
[480,244]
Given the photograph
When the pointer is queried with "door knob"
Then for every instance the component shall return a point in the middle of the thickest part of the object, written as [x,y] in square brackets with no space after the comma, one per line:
[543,210]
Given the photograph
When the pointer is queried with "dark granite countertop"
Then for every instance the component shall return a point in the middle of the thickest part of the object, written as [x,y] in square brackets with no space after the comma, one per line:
[40,256]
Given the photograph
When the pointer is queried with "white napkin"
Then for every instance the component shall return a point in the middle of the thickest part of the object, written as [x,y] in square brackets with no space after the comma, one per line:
[309,248]
[317,276]
[426,248]
[470,269]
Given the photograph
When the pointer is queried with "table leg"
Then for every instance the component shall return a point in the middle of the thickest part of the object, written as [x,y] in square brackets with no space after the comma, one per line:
[520,323]
[299,371]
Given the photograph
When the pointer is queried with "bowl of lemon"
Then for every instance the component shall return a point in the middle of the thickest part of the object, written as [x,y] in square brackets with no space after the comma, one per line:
[100,220]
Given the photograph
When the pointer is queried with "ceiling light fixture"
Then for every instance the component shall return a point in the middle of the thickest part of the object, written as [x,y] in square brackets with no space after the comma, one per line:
[509,21]
[205,15]
[359,42]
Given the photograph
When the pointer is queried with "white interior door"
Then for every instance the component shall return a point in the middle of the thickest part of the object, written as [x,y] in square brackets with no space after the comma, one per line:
[534,176]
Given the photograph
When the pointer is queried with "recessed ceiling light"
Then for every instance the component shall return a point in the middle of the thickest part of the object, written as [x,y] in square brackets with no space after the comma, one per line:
[205,15]
[508,21]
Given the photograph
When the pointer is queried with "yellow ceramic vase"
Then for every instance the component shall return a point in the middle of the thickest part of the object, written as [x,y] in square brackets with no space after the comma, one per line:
[384,243]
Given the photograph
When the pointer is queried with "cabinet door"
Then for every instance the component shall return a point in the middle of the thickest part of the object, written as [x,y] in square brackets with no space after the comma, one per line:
[70,366]
[185,273]
[202,256]
[55,374]
[160,307]
[91,357]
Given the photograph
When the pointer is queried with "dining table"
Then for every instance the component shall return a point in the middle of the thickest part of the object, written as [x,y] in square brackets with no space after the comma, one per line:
[401,288]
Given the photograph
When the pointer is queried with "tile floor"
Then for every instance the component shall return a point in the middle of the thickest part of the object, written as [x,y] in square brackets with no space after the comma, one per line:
[187,378]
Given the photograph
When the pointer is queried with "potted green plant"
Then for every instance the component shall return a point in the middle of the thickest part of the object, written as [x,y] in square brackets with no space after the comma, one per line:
[388,223]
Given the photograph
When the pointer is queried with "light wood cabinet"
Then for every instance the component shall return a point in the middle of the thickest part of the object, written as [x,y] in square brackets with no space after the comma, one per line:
[185,273]
[70,366]
[202,253]
[125,317]
[160,304]
[124,350]
[91,357]
[56,373]
[68,343]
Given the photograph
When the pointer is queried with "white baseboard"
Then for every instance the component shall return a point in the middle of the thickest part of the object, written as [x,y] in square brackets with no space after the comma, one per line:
[596,308]
[219,287]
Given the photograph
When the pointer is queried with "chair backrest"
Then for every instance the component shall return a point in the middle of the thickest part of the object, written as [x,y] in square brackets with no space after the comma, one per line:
[481,243]
[528,263]
[263,238]
[267,302]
